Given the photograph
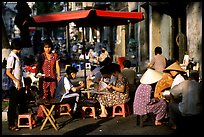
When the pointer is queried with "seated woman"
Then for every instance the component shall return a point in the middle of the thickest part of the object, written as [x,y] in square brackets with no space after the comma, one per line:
[72,94]
[143,102]
[95,75]
[163,84]
[118,91]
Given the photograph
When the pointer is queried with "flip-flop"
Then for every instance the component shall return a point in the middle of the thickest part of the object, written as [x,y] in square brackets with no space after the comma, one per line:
[99,117]
[14,128]
[173,127]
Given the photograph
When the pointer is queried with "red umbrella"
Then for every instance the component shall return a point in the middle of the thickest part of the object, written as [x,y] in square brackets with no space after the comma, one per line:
[88,18]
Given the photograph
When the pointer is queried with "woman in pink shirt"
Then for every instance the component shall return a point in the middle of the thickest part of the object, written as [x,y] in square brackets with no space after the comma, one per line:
[158,62]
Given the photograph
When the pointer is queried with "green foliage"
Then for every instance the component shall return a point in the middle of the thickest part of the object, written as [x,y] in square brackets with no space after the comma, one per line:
[4,104]
[47,7]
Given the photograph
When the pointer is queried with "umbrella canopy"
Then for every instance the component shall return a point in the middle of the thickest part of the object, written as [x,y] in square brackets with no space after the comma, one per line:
[88,18]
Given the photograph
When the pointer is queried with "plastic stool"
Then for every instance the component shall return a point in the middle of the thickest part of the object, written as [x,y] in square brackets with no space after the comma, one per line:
[121,112]
[78,66]
[91,114]
[82,65]
[67,66]
[74,65]
[23,116]
[67,107]
[88,66]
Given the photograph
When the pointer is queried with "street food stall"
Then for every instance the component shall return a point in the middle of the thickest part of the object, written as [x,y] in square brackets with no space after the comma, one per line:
[87,18]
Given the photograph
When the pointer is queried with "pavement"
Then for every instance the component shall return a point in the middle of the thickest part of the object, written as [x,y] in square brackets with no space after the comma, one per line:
[89,126]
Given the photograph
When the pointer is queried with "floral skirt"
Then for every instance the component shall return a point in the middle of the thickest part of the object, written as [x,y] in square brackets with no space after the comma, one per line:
[112,99]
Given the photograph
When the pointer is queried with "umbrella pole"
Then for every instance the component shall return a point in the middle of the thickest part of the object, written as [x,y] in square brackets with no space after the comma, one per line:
[83,39]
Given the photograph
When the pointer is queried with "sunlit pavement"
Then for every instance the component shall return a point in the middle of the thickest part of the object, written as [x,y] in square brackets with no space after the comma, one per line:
[90,126]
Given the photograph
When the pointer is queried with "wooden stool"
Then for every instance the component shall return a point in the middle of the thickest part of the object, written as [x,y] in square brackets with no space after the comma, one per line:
[91,114]
[123,111]
[23,116]
[67,106]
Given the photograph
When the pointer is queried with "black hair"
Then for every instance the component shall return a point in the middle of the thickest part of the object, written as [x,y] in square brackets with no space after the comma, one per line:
[158,50]
[27,81]
[194,75]
[16,43]
[106,61]
[105,70]
[48,42]
[70,70]
[114,67]
[127,63]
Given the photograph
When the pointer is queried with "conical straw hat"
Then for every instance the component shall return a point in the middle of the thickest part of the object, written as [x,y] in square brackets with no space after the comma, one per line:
[175,66]
[150,76]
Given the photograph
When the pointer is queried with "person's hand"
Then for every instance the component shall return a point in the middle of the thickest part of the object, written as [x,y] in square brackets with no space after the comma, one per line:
[18,84]
[109,86]
[81,83]
[58,78]
[39,75]
[156,99]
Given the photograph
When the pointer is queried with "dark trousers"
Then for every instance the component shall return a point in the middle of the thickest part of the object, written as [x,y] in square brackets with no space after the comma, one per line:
[174,113]
[17,105]
[13,105]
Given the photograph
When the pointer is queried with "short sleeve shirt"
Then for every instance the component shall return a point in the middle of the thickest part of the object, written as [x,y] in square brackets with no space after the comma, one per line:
[17,71]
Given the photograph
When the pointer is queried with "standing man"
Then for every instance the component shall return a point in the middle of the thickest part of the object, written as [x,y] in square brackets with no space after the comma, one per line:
[14,71]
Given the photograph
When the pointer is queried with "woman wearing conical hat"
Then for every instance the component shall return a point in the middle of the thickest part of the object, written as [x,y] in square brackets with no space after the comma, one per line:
[143,101]
[163,84]
[176,72]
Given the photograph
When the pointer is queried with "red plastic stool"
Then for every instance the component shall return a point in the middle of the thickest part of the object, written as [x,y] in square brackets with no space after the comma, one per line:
[23,116]
[67,106]
[91,114]
[122,110]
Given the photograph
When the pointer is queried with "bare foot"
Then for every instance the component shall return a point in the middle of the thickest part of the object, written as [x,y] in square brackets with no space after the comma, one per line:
[157,123]
[106,113]
[102,115]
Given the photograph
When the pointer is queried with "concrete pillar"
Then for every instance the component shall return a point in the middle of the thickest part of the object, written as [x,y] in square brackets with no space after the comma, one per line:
[123,42]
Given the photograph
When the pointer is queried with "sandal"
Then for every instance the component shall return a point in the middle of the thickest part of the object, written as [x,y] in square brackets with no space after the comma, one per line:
[173,127]
[33,123]
[99,117]
[14,128]
[157,123]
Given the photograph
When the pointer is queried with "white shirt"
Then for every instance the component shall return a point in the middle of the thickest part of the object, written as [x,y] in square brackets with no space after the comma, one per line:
[178,79]
[68,85]
[17,71]
[81,57]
